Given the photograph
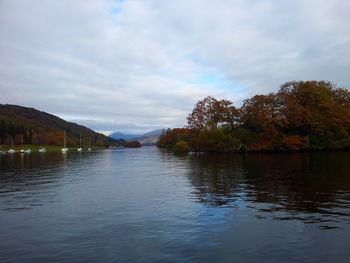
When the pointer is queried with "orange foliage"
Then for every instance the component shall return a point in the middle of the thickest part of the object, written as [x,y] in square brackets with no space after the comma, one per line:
[302,115]
[132,144]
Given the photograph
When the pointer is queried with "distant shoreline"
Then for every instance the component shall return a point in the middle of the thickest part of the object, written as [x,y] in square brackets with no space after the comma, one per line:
[49,148]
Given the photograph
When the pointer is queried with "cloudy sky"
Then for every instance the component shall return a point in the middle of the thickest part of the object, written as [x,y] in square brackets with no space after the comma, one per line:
[137,65]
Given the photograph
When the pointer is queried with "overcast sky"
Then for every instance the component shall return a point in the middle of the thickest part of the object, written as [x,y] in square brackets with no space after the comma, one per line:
[133,66]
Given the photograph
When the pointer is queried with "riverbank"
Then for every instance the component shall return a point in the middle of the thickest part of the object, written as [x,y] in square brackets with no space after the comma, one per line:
[49,148]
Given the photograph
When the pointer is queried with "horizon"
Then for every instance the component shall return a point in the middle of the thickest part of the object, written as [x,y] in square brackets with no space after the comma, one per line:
[134,66]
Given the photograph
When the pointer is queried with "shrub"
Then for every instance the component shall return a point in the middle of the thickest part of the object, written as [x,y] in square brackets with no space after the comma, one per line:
[132,144]
[181,147]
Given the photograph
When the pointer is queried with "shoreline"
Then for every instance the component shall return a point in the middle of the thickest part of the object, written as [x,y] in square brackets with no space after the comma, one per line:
[49,148]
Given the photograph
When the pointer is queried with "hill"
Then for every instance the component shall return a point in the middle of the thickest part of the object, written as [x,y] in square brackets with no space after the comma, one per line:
[123,136]
[149,138]
[38,127]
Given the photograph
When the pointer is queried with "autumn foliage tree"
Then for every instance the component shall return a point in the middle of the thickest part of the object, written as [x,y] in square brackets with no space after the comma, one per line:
[302,115]
[211,113]
[132,144]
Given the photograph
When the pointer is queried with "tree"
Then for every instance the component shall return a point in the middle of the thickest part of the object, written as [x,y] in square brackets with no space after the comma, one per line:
[18,139]
[38,139]
[100,143]
[133,144]
[301,115]
[211,113]
[261,113]
[181,147]
[52,140]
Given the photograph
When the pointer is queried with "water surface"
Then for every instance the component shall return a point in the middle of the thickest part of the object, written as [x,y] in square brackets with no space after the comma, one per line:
[146,205]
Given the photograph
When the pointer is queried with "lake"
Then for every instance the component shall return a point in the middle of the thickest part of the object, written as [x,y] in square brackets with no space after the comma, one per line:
[147,205]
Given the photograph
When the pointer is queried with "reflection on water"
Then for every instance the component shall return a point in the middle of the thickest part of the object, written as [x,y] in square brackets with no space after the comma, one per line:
[311,187]
[147,205]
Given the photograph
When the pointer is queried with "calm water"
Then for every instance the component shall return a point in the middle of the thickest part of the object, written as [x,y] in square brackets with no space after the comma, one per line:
[146,205]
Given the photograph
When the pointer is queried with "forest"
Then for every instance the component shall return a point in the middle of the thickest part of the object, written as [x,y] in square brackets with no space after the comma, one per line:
[30,126]
[301,116]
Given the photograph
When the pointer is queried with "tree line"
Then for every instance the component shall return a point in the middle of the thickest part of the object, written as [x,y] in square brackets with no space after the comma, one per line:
[10,134]
[302,115]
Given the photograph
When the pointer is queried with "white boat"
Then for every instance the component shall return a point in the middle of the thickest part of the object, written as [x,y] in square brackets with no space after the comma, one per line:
[28,151]
[11,150]
[89,149]
[64,149]
[42,150]
[21,150]
[79,149]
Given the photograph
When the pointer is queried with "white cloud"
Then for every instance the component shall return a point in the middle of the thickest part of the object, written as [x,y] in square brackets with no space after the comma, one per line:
[132,65]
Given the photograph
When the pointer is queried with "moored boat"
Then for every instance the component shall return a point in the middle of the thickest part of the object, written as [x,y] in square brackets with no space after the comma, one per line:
[11,150]
[21,150]
[64,149]
[79,149]
[42,150]
[89,149]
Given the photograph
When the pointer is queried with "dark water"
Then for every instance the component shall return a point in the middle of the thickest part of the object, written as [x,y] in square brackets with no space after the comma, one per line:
[145,205]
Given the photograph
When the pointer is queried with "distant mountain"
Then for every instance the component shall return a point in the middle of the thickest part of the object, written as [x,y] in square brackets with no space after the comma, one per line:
[38,127]
[123,136]
[149,138]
